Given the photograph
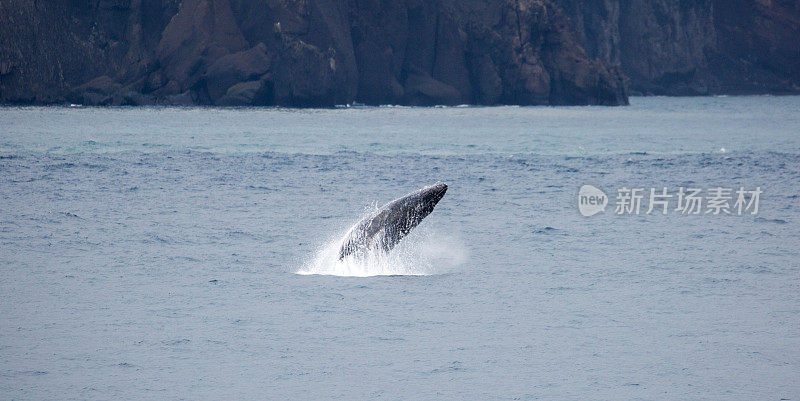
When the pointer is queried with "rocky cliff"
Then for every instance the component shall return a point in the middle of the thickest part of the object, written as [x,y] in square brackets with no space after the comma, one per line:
[310,53]
[700,47]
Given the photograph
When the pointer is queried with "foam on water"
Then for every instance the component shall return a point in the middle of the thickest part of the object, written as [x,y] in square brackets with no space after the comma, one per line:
[423,252]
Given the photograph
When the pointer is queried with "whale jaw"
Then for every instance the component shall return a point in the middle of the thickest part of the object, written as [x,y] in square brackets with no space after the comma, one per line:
[384,228]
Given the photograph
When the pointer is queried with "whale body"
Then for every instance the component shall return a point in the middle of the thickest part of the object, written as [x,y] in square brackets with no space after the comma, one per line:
[385,227]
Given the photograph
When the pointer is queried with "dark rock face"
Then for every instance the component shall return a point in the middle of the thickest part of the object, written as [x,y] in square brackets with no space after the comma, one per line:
[297,53]
[665,44]
[417,52]
[758,46]
[453,52]
[679,47]
[52,48]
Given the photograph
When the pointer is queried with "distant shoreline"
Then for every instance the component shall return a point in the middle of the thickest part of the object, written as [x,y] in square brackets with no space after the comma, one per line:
[370,107]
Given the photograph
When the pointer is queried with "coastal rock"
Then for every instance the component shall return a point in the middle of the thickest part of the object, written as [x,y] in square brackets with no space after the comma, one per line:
[758,46]
[304,75]
[417,52]
[251,93]
[422,90]
[670,47]
[198,35]
[235,68]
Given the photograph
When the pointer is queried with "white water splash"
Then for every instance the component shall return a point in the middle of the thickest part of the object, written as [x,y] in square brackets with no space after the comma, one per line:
[423,252]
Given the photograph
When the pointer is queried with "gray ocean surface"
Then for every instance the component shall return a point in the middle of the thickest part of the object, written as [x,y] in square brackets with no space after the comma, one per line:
[155,253]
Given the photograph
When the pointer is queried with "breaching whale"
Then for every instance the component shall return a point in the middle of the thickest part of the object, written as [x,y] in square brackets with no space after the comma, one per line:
[384,228]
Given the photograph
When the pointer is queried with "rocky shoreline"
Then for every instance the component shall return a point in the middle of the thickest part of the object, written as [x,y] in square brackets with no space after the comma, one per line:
[410,52]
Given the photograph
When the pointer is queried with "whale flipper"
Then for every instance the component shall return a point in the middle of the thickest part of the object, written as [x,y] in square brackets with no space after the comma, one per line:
[384,228]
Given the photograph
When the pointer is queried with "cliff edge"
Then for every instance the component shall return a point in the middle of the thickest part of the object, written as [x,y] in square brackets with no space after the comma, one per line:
[414,52]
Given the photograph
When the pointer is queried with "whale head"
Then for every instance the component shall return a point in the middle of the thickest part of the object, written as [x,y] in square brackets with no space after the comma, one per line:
[428,197]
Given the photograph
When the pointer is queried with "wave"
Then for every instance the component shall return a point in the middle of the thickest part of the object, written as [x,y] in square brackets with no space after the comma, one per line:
[424,252]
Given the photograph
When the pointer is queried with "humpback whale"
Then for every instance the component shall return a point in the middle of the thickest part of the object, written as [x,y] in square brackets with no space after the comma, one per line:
[385,227]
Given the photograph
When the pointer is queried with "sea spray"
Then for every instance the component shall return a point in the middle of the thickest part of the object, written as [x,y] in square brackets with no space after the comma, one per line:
[424,252]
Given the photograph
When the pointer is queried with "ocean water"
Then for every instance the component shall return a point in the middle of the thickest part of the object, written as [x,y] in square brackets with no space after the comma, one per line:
[169,253]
